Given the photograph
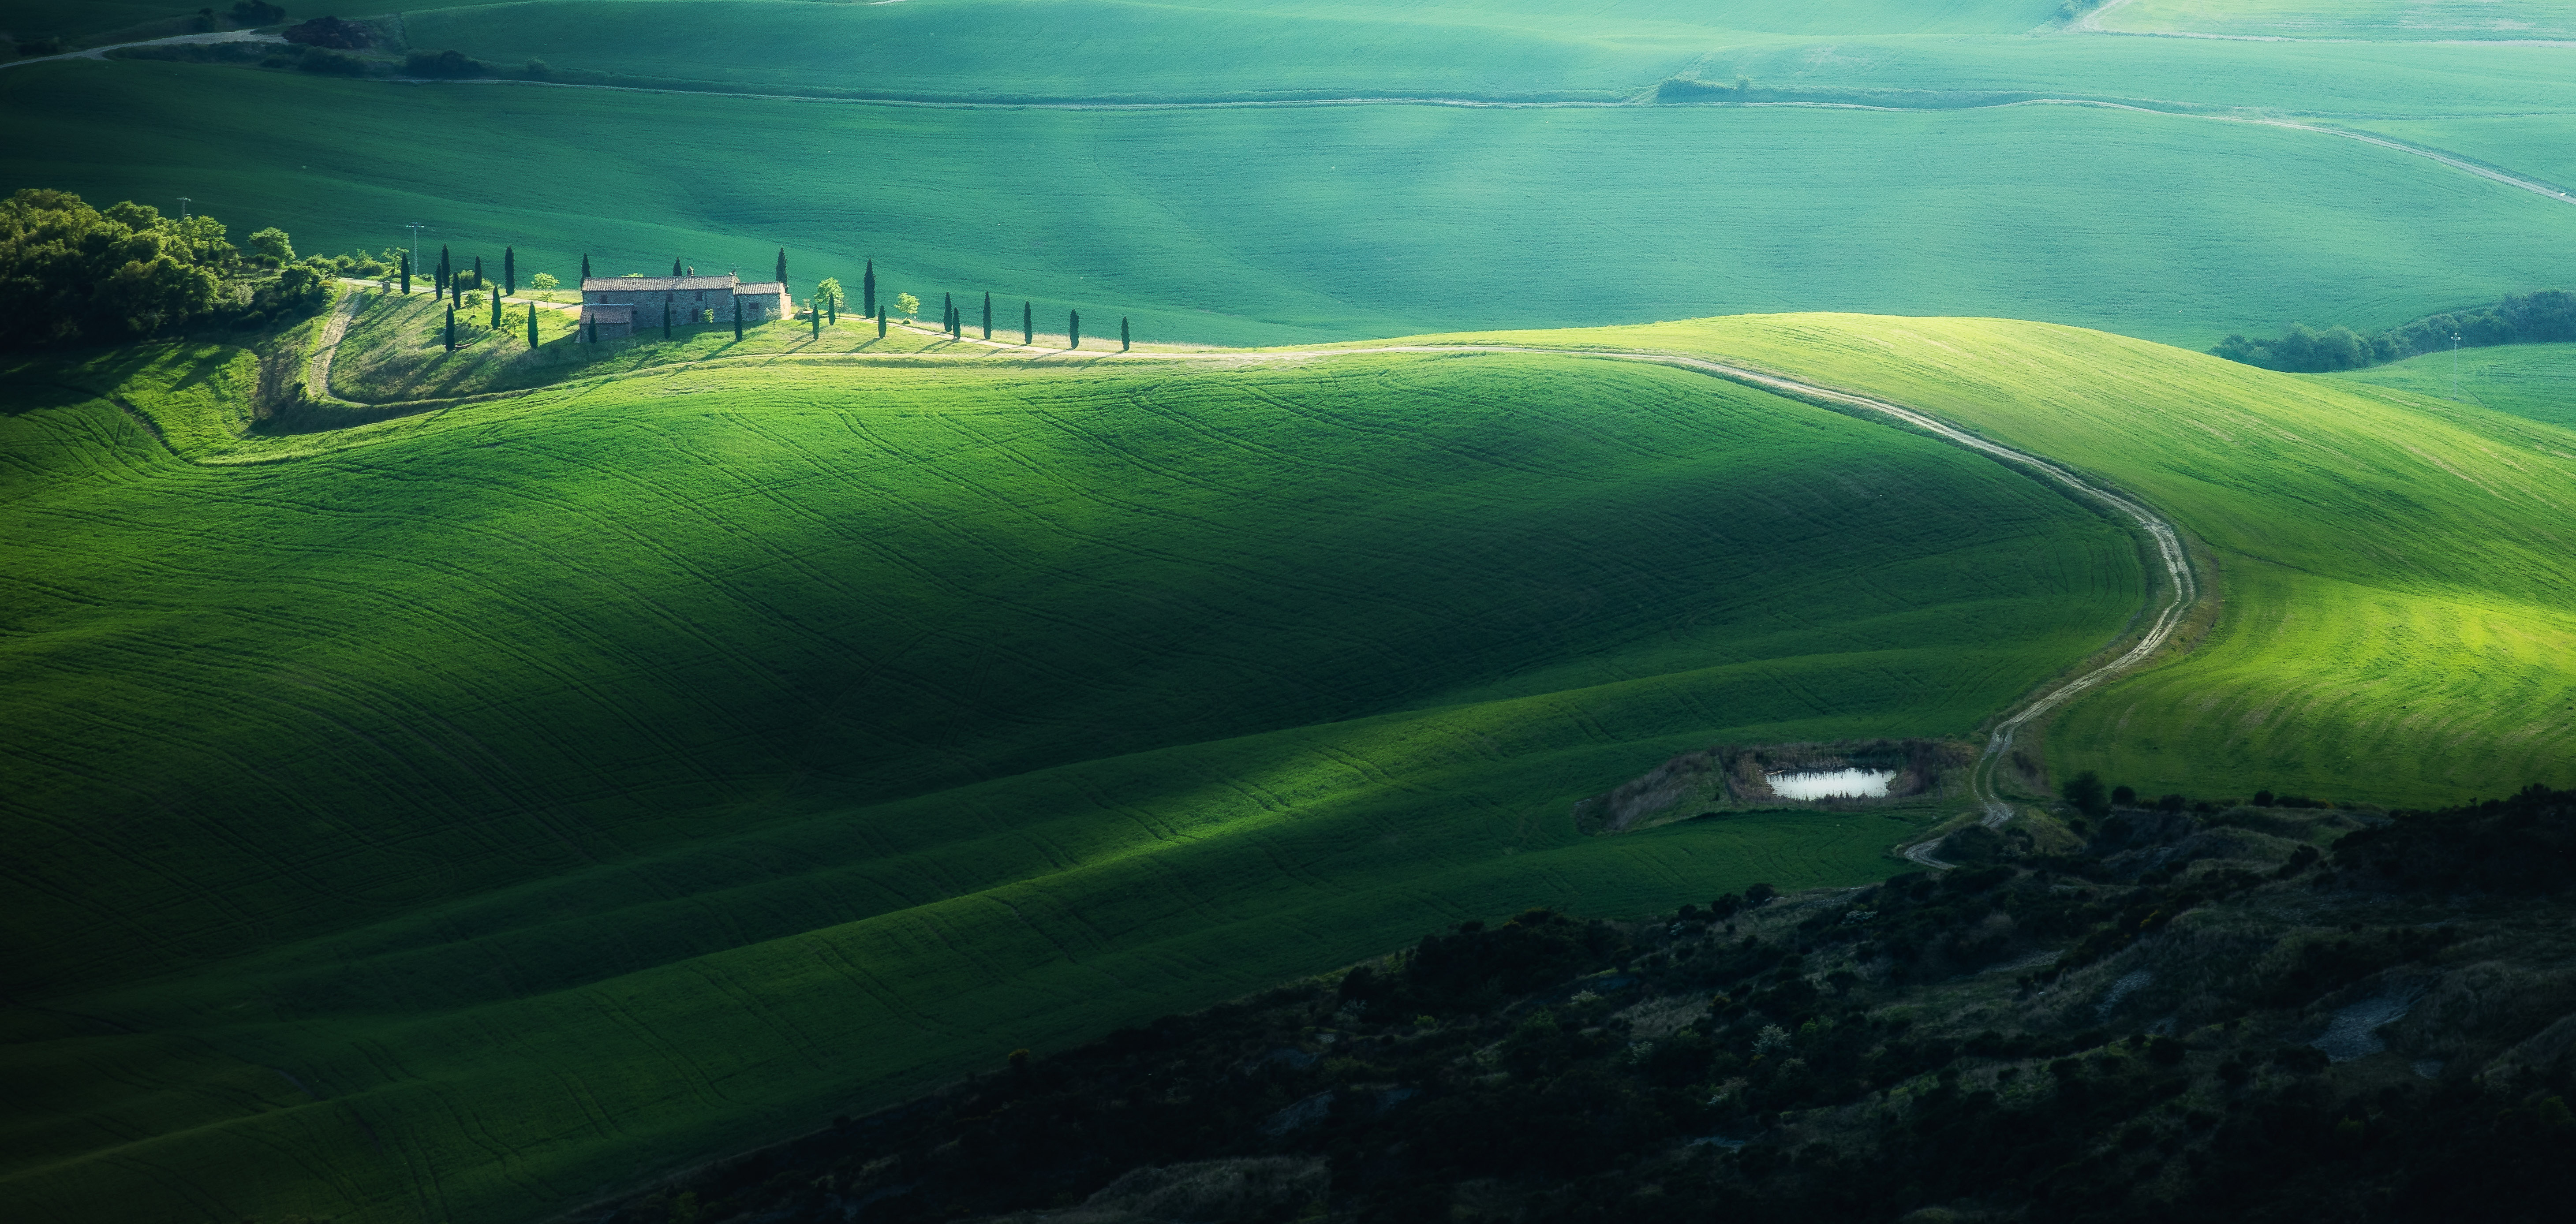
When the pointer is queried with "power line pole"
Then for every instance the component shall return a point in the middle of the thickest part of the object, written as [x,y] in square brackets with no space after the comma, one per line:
[2455,365]
[415,228]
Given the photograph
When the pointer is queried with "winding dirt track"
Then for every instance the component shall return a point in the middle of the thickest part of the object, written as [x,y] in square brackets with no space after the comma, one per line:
[2180,588]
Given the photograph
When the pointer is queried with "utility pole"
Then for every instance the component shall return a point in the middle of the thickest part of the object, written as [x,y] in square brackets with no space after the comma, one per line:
[415,228]
[184,202]
[2455,365]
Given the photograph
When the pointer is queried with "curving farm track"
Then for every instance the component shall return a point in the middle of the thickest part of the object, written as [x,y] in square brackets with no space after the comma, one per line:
[2180,589]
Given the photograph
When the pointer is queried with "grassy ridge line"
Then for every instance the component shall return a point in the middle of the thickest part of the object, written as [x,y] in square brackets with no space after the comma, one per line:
[512,1047]
[2394,622]
[1687,210]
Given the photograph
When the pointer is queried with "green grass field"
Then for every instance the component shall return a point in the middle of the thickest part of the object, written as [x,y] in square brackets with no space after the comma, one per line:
[560,787]
[2527,380]
[1353,221]
[2396,20]
[1119,49]
[2394,618]
[460,816]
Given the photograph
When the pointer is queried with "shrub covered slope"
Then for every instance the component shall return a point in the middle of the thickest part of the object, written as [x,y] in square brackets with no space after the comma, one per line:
[2194,1017]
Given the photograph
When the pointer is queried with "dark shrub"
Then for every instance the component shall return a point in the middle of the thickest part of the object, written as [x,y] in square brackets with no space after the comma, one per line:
[445,65]
[333,33]
[2086,793]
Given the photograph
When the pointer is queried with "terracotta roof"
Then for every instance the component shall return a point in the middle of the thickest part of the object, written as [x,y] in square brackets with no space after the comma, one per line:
[759,288]
[655,284]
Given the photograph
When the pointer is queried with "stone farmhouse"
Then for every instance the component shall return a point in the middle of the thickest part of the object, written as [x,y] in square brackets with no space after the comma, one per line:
[619,306]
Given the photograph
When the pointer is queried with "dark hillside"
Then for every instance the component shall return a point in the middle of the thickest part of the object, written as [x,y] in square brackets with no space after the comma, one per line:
[2233,1027]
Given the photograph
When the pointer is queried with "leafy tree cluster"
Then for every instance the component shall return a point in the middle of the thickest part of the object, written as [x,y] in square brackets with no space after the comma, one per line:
[73,274]
[2524,318]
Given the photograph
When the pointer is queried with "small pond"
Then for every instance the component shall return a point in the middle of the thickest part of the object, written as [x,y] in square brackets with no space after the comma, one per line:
[1831,783]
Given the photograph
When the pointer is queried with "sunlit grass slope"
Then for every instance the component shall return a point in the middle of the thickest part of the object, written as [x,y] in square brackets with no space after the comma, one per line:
[2398,614]
[2528,380]
[521,798]
[1350,221]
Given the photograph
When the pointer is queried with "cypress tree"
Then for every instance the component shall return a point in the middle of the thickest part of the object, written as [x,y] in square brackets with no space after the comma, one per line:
[988,316]
[675,265]
[948,313]
[496,312]
[1122,333]
[444,269]
[782,267]
[405,260]
[456,289]
[666,318]
[737,317]
[880,327]
[1073,330]
[868,295]
[451,329]
[832,306]
[510,270]
[585,267]
[532,325]
[815,309]
[1028,325]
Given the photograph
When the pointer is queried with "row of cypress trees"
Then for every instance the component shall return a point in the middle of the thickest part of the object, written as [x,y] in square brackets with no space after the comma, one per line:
[952,319]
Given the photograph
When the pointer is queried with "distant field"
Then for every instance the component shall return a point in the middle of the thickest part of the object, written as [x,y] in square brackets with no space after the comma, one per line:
[1350,221]
[1103,49]
[2542,146]
[2394,620]
[2373,19]
[2528,380]
[561,787]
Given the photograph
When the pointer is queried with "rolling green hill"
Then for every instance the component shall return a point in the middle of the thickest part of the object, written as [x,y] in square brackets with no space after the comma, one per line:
[2393,620]
[1351,221]
[486,809]
[2527,380]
